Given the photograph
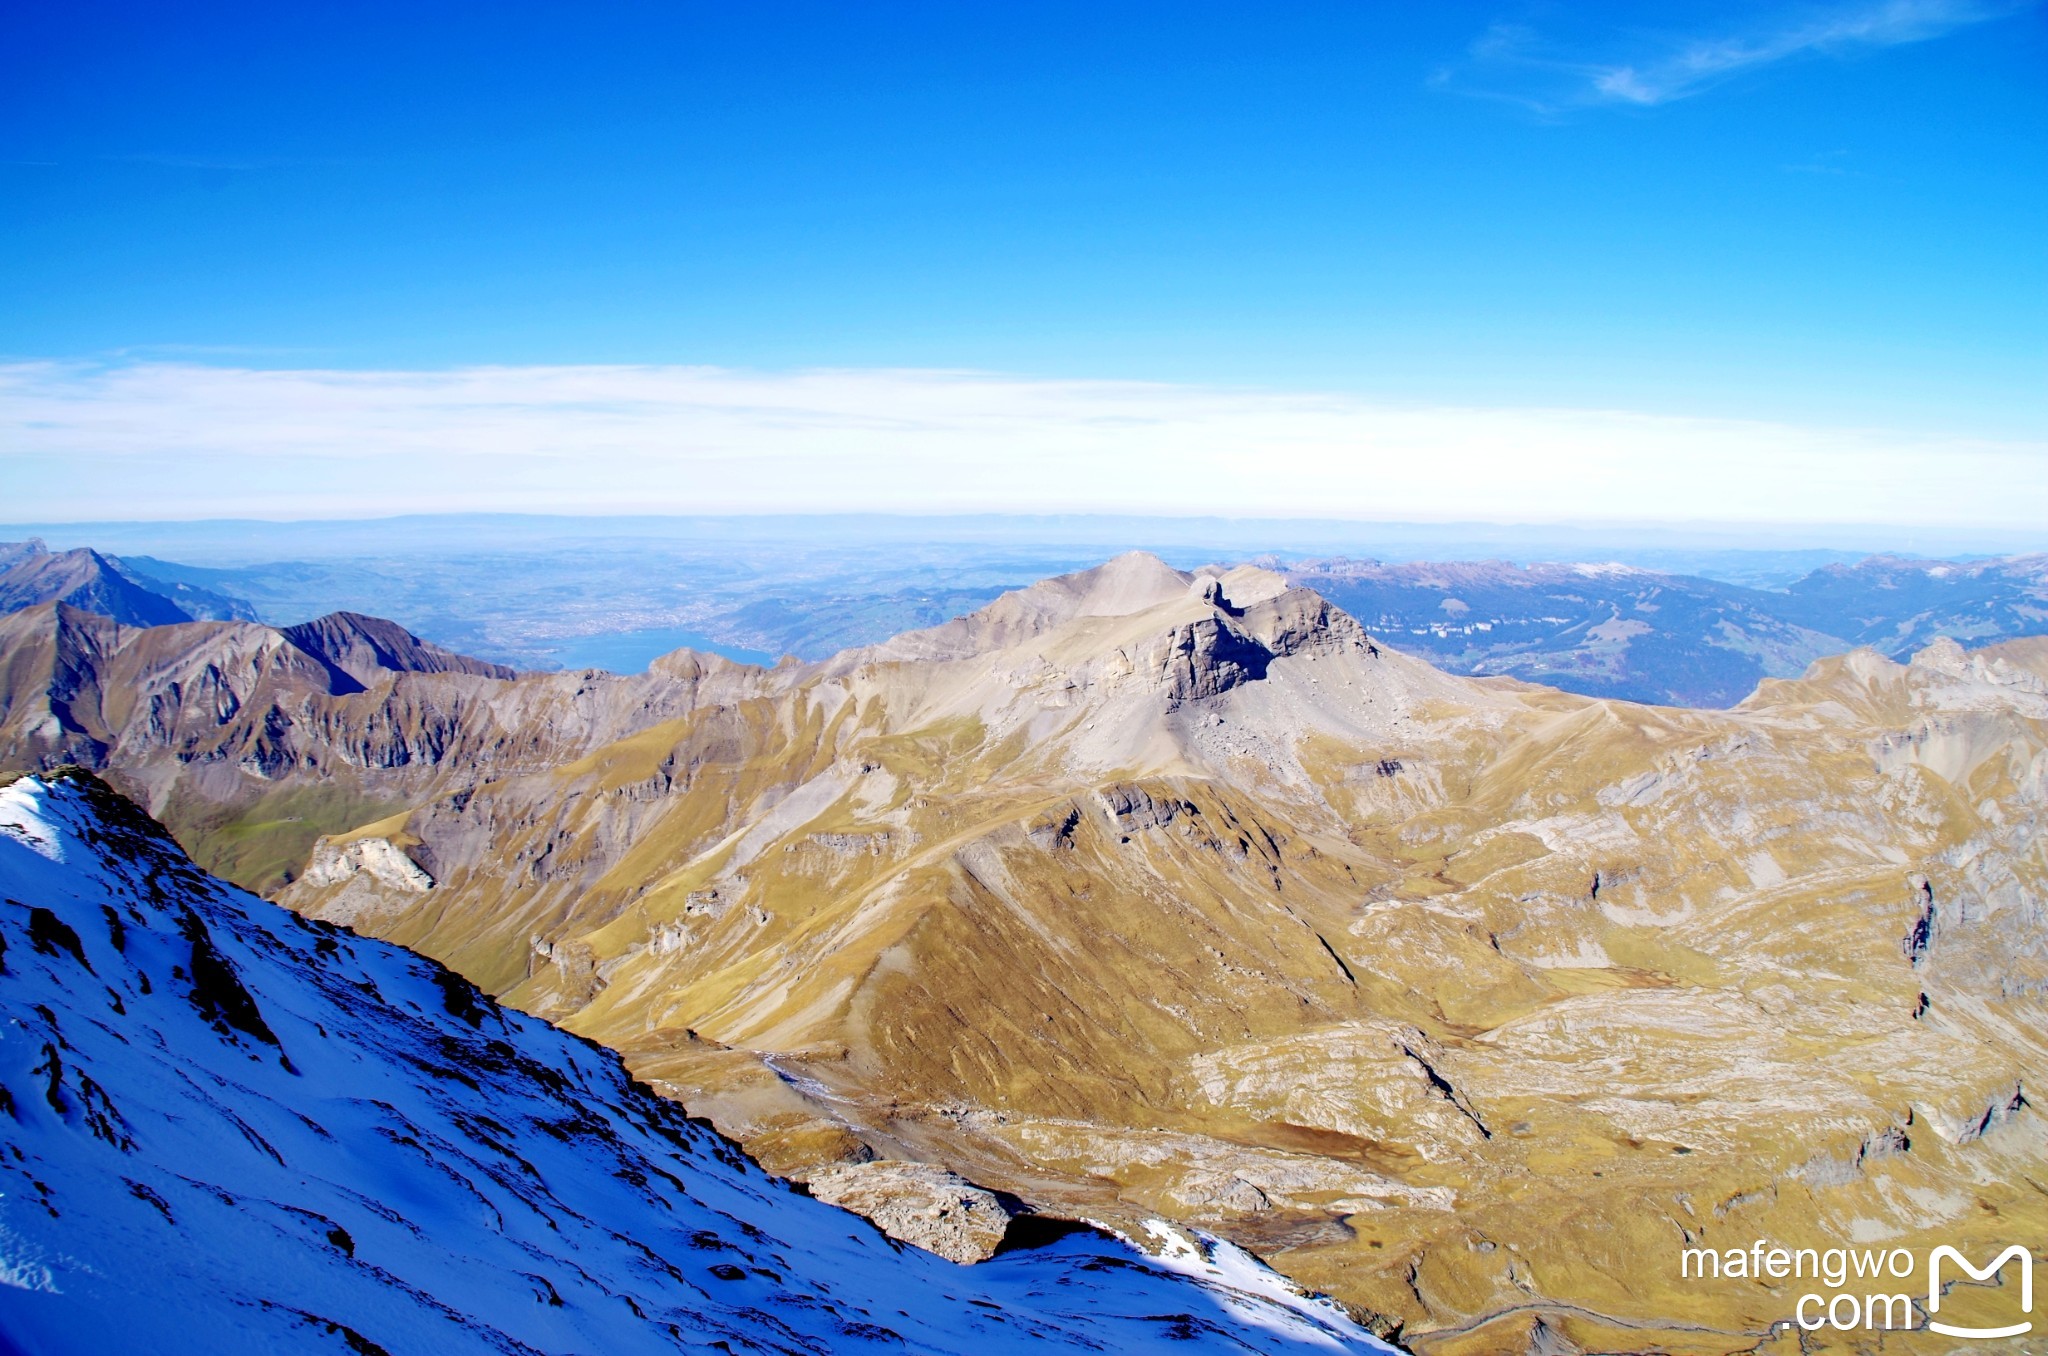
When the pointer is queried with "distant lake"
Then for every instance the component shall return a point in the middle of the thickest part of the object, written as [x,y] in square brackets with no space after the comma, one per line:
[633,651]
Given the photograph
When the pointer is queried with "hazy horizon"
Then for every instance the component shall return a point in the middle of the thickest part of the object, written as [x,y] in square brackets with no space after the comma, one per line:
[252,539]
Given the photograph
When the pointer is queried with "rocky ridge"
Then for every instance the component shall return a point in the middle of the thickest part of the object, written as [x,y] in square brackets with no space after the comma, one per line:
[251,740]
[31,575]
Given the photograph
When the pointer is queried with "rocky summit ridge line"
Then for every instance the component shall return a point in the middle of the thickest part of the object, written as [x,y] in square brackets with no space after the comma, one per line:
[231,1130]
[1154,893]
[251,740]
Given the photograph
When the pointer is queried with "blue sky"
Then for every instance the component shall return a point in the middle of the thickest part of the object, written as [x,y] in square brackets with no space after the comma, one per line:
[1823,216]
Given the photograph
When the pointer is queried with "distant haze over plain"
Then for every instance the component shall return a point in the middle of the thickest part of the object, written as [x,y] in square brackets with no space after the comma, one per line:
[1712,549]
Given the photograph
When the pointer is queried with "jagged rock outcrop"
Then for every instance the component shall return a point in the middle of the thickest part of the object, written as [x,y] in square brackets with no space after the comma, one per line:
[363,878]
[920,1204]
[1135,809]
[336,862]
[1208,657]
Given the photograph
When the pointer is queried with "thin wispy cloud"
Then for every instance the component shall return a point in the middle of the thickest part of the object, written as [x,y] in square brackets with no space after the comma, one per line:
[160,440]
[1518,65]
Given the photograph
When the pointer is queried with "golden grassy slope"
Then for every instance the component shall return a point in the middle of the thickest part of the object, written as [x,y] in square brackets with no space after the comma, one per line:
[1467,1002]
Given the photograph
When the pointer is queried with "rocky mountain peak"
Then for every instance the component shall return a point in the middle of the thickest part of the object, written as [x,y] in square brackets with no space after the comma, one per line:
[1130,583]
[368,649]
[1244,585]
[13,553]
[1255,618]
[31,574]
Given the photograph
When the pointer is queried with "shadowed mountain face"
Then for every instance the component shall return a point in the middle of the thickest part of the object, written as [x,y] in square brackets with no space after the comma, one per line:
[31,574]
[230,1131]
[1142,892]
[83,579]
[367,649]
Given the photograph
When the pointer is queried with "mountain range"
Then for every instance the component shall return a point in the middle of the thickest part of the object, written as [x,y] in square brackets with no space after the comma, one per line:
[31,574]
[1700,630]
[1675,640]
[1143,893]
[230,1129]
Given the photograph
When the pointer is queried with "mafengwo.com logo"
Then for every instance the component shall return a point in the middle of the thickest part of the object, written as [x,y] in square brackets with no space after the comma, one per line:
[1875,1289]
[2015,1253]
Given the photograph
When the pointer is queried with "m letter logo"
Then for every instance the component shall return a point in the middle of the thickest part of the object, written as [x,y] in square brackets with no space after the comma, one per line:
[2015,1252]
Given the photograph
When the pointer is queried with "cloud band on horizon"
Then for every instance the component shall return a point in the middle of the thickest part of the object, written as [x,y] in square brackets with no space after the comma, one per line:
[180,440]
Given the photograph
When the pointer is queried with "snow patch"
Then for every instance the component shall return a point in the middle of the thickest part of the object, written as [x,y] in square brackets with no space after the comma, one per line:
[21,815]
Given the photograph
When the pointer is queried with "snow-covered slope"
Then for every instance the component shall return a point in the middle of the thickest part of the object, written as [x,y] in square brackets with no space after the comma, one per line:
[226,1129]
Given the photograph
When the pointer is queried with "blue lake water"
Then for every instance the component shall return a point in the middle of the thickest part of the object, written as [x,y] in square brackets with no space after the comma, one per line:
[633,651]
